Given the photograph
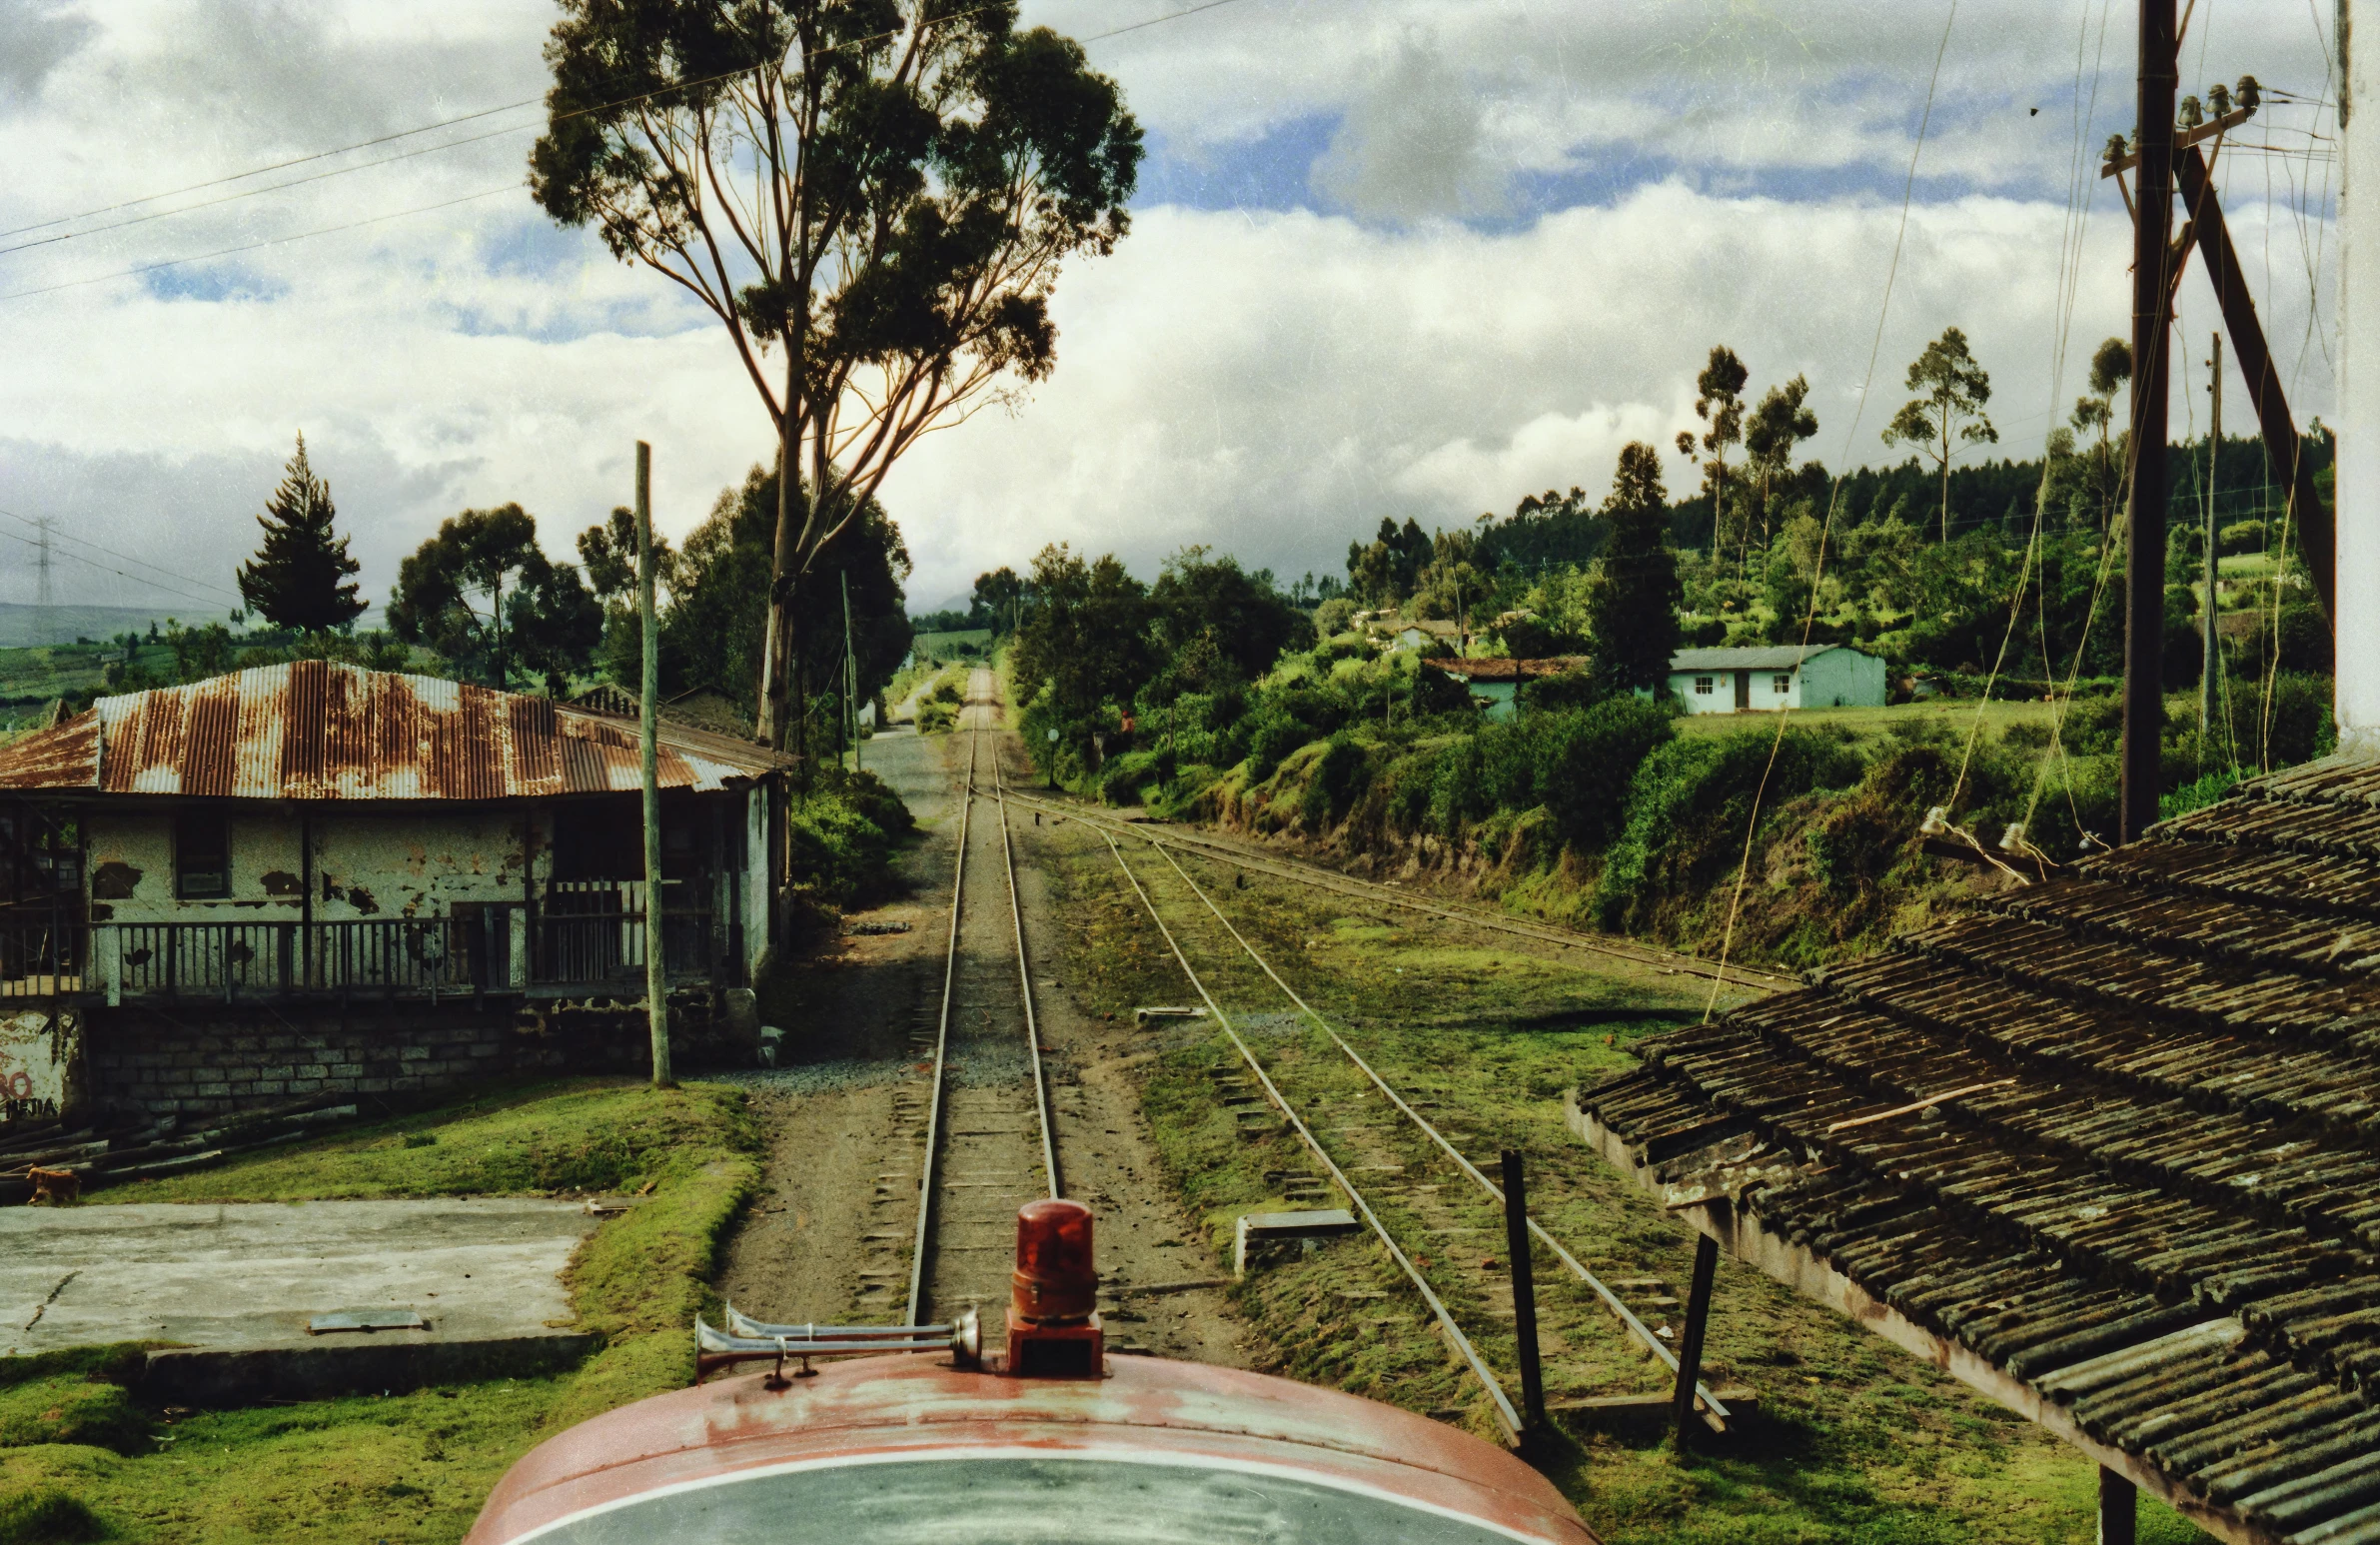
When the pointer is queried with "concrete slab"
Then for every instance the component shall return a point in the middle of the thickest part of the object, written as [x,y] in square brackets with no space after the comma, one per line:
[250,1275]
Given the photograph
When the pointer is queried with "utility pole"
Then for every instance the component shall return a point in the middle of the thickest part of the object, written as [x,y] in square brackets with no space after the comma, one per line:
[850,673]
[2206,607]
[2144,558]
[657,986]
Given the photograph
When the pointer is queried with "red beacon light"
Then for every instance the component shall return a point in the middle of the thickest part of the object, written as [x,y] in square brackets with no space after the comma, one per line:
[1053,1321]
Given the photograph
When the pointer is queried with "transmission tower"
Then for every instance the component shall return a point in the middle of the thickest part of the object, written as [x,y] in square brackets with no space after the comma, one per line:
[45,616]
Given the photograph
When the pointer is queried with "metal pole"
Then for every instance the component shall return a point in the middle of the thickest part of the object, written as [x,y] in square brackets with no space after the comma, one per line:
[1690,1349]
[850,673]
[2144,559]
[1516,1244]
[656,992]
[2206,611]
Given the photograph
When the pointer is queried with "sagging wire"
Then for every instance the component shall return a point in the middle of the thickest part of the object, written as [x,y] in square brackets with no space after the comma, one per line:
[1752,825]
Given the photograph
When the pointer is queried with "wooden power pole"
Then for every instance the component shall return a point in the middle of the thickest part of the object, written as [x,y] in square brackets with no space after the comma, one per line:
[2144,558]
[657,984]
[2210,653]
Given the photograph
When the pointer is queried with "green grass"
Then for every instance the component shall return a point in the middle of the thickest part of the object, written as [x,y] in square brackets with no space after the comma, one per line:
[1954,715]
[1855,1441]
[407,1467]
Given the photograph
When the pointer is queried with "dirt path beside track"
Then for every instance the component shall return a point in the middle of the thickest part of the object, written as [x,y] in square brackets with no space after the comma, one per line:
[828,1238]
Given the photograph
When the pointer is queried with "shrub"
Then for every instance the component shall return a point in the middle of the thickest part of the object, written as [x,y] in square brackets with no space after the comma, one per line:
[935,717]
[47,1515]
[1589,761]
[1339,775]
[1122,779]
[1273,736]
[1688,807]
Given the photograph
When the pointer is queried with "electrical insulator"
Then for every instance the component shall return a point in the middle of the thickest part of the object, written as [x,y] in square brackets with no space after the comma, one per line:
[2250,94]
[2193,113]
[2218,98]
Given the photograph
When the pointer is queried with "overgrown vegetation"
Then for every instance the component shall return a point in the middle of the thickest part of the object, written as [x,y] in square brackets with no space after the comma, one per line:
[79,1451]
[1854,1442]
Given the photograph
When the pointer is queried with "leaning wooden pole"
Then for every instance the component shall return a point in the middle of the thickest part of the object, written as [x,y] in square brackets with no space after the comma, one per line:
[657,989]
[2145,557]
[2313,522]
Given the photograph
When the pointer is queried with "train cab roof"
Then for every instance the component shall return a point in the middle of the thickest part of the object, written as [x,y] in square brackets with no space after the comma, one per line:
[914,1447]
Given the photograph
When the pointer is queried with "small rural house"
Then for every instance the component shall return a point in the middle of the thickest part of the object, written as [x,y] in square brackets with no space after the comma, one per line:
[318,836]
[1495,684]
[1774,677]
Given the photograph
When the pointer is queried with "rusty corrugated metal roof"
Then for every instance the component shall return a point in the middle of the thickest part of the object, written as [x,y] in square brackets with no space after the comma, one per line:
[2156,1200]
[318,731]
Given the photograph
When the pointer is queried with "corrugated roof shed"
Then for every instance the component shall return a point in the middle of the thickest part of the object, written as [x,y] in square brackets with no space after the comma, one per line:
[318,731]
[2154,1222]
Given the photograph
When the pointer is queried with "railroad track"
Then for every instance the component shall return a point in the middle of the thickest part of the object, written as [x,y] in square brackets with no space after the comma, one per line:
[990,1144]
[1713,1413]
[1751,979]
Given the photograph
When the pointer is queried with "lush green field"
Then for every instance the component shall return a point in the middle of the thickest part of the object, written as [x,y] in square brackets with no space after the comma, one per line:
[82,1459]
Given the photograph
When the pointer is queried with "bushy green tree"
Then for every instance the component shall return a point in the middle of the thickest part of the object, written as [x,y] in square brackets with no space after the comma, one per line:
[715,632]
[1632,598]
[1242,617]
[881,191]
[1718,402]
[299,577]
[1084,650]
[483,594]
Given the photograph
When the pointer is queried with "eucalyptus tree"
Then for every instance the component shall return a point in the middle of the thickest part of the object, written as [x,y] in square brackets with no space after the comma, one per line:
[872,197]
[1718,402]
[1951,387]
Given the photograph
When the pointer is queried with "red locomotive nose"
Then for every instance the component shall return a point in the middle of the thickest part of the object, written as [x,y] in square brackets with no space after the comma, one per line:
[1055,1282]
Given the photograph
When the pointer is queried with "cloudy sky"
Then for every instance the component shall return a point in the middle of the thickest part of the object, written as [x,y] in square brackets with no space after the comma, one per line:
[1389,257]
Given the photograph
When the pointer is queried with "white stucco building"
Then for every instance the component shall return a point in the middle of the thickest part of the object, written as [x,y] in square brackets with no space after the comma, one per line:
[1774,676]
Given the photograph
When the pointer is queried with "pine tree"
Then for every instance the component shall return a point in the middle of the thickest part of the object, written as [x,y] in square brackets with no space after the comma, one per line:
[298,578]
[1632,600]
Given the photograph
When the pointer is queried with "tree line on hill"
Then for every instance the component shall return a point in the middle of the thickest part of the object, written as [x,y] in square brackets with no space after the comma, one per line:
[480,600]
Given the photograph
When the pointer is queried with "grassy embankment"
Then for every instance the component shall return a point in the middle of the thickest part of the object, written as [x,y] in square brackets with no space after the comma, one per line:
[81,1457]
[1855,1441]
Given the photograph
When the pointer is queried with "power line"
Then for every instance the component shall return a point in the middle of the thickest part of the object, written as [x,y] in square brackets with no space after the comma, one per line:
[112,552]
[120,574]
[251,192]
[276,241]
[444,123]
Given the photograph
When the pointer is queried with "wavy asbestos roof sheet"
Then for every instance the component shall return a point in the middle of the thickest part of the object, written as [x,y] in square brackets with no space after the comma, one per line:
[2147,1183]
[315,731]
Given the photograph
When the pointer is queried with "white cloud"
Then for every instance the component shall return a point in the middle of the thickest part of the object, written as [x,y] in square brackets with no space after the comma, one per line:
[1270,383]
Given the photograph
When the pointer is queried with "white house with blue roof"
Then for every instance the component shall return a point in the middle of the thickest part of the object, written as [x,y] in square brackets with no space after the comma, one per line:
[1770,677]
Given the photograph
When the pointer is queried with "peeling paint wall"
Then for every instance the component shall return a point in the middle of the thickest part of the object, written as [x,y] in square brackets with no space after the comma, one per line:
[400,865]
[41,1065]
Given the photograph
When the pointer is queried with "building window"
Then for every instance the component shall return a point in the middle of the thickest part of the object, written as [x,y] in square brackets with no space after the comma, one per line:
[202,855]
[1703,686]
[1781,685]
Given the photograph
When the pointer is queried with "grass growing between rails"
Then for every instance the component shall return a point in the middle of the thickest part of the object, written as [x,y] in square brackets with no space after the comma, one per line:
[1855,1441]
[406,1467]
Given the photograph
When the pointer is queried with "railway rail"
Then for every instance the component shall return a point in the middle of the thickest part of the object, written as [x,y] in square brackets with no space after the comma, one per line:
[1711,1411]
[1751,979]
[990,1142]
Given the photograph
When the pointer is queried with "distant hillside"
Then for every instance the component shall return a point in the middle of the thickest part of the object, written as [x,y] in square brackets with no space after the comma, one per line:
[23,626]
